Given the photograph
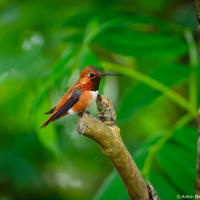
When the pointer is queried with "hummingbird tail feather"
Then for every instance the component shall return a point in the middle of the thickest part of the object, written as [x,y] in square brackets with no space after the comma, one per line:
[50,111]
[46,123]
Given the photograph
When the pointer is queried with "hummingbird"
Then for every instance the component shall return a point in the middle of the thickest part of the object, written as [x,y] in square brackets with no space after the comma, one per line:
[80,95]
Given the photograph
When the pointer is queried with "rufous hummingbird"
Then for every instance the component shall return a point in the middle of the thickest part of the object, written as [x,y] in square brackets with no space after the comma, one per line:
[80,96]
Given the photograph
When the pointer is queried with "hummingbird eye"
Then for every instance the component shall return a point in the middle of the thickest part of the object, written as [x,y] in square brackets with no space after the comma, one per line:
[91,75]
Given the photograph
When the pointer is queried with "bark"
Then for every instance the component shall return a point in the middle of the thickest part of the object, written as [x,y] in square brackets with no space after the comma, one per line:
[197,4]
[197,185]
[106,133]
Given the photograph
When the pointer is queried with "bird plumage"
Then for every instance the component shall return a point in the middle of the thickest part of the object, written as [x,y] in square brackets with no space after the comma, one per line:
[78,97]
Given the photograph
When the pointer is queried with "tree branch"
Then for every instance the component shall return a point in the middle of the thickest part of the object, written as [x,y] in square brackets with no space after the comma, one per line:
[107,135]
[197,185]
[197,4]
[198,159]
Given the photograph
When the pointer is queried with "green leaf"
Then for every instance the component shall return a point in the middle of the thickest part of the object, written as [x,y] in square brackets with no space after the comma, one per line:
[112,182]
[142,95]
[30,63]
[62,68]
[48,138]
[87,57]
[94,28]
[179,165]
[47,135]
[190,134]
[163,187]
[178,162]
[142,44]
[175,165]
[75,22]
[134,19]
[13,164]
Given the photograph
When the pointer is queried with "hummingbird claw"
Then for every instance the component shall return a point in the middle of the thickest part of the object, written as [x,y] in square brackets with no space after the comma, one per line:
[87,112]
[81,113]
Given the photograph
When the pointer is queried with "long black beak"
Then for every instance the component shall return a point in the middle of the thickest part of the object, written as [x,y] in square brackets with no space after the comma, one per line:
[109,74]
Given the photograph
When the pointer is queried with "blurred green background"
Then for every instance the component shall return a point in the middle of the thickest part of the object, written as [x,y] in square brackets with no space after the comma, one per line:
[43,46]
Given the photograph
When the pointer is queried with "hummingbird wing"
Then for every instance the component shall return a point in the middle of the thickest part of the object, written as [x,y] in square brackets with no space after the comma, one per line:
[50,111]
[69,103]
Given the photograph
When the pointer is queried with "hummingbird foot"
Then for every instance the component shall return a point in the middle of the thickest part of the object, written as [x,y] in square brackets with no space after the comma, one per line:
[81,113]
[87,112]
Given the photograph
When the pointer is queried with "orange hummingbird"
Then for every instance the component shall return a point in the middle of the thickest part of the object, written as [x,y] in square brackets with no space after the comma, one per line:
[80,96]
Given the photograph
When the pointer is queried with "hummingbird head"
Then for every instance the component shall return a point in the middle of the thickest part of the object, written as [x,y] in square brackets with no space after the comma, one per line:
[91,76]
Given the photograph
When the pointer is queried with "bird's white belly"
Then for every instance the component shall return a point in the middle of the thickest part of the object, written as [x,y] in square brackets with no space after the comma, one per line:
[94,95]
[71,112]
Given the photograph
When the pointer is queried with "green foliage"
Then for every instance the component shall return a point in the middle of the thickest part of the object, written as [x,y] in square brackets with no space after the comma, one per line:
[174,165]
[45,44]
[138,43]
[166,75]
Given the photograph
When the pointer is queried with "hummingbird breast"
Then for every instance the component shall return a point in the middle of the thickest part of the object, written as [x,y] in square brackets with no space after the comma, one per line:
[85,100]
